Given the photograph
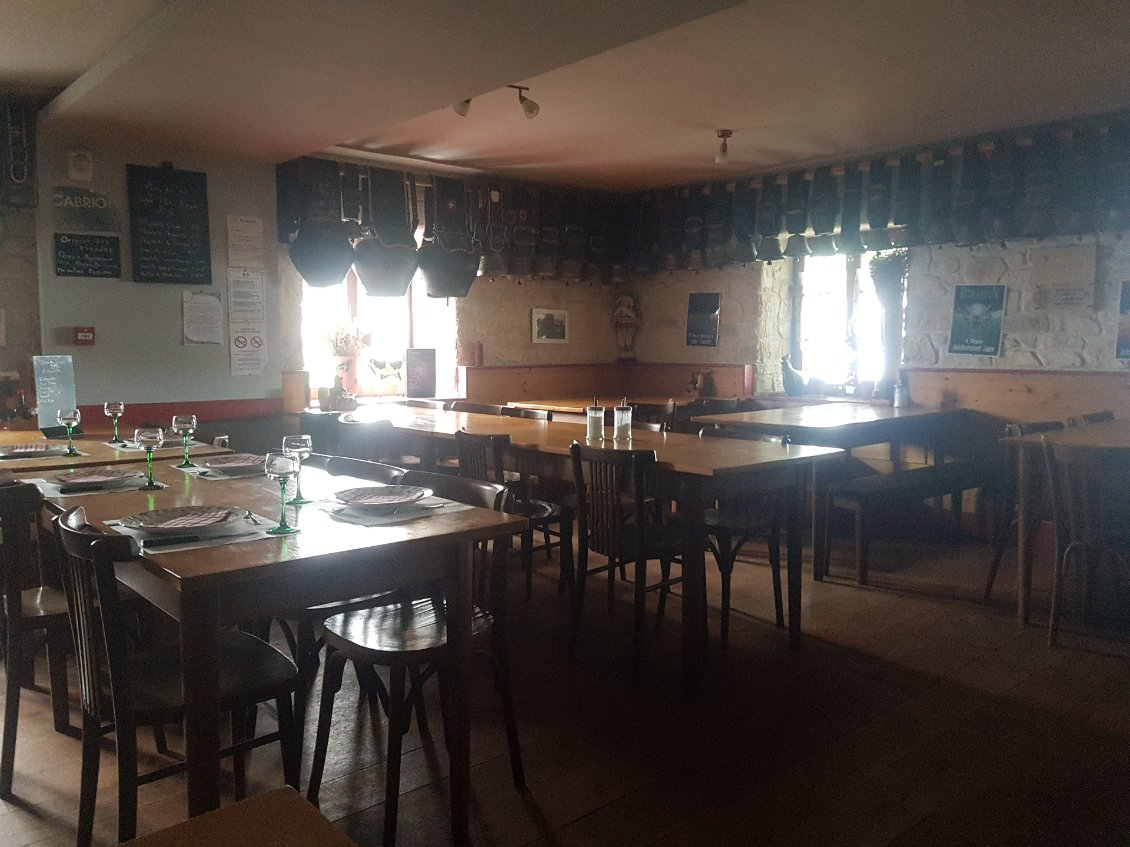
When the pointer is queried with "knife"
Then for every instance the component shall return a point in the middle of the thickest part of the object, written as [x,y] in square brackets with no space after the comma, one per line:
[173,540]
[79,488]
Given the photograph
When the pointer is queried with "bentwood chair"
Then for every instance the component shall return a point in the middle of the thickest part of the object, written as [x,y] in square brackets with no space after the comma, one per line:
[481,457]
[408,635]
[732,524]
[28,612]
[616,519]
[474,408]
[122,691]
[527,414]
[663,413]
[1090,500]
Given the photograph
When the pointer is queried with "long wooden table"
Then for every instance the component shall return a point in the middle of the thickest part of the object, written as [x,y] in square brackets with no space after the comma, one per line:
[1030,479]
[327,560]
[843,425]
[694,471]
[96,448]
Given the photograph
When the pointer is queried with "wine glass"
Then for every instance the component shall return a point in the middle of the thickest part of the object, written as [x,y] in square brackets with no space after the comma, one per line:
[114,409]
[184,426]
[149,438]
[298,446]
[70,419]
[283,468]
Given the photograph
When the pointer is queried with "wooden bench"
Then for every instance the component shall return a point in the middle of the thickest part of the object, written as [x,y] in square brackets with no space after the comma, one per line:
[863,495]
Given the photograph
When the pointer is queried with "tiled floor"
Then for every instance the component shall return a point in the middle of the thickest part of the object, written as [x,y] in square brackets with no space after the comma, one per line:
[913,715]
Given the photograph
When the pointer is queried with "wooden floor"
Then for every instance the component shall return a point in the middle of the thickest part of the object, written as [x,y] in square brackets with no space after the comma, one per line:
[913,715]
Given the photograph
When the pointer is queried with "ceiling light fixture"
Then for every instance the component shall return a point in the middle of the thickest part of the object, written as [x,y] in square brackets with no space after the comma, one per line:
[530,107]
[462,107]
[723,154]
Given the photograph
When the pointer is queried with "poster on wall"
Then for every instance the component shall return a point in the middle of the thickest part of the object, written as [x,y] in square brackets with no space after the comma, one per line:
[978,319]
[702,319]
[247,321]
[1122,345]
[1064,278]
[549,326]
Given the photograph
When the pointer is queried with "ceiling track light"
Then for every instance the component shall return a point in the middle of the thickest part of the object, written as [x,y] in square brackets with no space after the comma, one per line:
[462,107]
[530,107]
[723,154]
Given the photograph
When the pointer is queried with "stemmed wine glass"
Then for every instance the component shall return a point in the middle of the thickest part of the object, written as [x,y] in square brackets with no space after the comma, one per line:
[283,468]
[298,446]
[70,419]
[184,426]
[114,409]
[149,438]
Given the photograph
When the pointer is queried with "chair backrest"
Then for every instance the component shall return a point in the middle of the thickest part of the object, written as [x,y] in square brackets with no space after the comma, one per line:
[481,456]
[422,404]
[97,624]
[716,405]
[358,439]
[1014,429]
[648,426]
[475,408]
[528,414]
[364,469]
[611,497]
[722,431]
[20,503]
[663,413]
[1091,418]
[1090,493]
[749,404]
[473,492]
[317,460]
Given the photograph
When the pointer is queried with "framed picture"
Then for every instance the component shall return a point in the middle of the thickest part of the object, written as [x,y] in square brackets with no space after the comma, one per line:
[549,326]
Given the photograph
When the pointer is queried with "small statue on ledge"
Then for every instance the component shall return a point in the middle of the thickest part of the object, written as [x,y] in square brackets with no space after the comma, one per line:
[626,320]
[794,380]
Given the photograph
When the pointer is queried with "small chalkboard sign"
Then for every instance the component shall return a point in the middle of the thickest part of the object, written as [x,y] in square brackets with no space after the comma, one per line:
[88,255]
[168,221]
[54,387]
[420,372]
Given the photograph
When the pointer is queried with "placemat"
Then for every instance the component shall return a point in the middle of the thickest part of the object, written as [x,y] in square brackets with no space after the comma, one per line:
[51,489]
[239,532]
[420,509]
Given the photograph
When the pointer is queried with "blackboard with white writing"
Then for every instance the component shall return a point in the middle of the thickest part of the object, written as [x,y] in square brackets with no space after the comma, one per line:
[168,218]
[420,372]
[88,255]
[54,387]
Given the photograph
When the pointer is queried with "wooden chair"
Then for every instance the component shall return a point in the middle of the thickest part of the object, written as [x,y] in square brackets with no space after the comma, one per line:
[379,441]
[474,408]
[1090,500]
[704,406]
[121,692]
[527,414]
[662,413]
[1091,418]
[422,404]
[302,639]
[732,524]
[29,612]
[481,457]
[615,520]
[409,637]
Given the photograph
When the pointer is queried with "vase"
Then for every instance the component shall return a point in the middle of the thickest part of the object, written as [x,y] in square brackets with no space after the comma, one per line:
[347,370]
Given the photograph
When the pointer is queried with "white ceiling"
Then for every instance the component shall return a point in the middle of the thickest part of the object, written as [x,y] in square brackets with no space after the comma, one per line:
[631,92]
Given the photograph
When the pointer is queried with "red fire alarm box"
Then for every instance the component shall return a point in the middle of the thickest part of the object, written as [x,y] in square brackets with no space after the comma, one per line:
[82,334]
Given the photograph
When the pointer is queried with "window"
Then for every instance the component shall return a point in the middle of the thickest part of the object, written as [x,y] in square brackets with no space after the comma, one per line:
[392,324]
[841,329]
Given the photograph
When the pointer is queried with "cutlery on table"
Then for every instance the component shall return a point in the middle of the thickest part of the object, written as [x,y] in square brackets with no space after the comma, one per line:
[173,540]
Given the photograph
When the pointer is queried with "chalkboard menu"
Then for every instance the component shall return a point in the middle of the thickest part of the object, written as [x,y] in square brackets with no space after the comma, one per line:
[168,221]
[54,387]
[88,255]
[420,372]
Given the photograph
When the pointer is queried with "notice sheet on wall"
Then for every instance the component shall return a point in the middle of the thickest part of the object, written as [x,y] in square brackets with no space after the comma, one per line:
[245,242]
[203,317]
[1064,278]
[247,321]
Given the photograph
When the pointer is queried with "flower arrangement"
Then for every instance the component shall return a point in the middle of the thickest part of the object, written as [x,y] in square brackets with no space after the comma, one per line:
[348,342]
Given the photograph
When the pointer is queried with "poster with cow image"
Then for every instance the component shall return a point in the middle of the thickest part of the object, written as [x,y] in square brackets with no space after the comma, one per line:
[978,319]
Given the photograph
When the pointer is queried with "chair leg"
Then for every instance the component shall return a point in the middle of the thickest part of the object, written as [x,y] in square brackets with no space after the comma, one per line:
[566,583]
[527,538]
[1057,591]
[639,611]
[397,714]
[239,757]
[417,692]
[88,786]
[725,560]
[774,541]
[862,545]
[290,741]
[306,657]
[331,684]
[509,713]
[11,712]
[578,597]
[612,568]
[126,737]
[664,590]
[58,644]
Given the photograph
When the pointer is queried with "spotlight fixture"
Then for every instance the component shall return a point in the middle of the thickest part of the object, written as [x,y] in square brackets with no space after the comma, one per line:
[723,154]
[530,107]
[462,107]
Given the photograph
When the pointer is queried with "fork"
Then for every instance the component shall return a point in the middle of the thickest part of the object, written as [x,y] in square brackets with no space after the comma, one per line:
[251,517]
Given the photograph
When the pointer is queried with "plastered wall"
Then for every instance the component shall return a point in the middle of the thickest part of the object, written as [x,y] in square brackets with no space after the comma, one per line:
[19,289]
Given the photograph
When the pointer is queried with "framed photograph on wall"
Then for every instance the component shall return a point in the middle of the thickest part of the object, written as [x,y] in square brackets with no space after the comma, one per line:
[549,326]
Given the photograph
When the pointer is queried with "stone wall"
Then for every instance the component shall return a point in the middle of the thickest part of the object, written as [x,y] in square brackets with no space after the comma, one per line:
[1080,337]
[19,289]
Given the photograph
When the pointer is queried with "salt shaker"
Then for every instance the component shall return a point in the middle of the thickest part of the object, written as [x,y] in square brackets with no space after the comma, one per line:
[622,421]
[594,421]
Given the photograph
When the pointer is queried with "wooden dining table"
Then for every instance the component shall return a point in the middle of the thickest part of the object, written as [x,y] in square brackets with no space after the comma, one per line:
[843,425]
[1031,479]
[693,471]
[94,448]
[326,560]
